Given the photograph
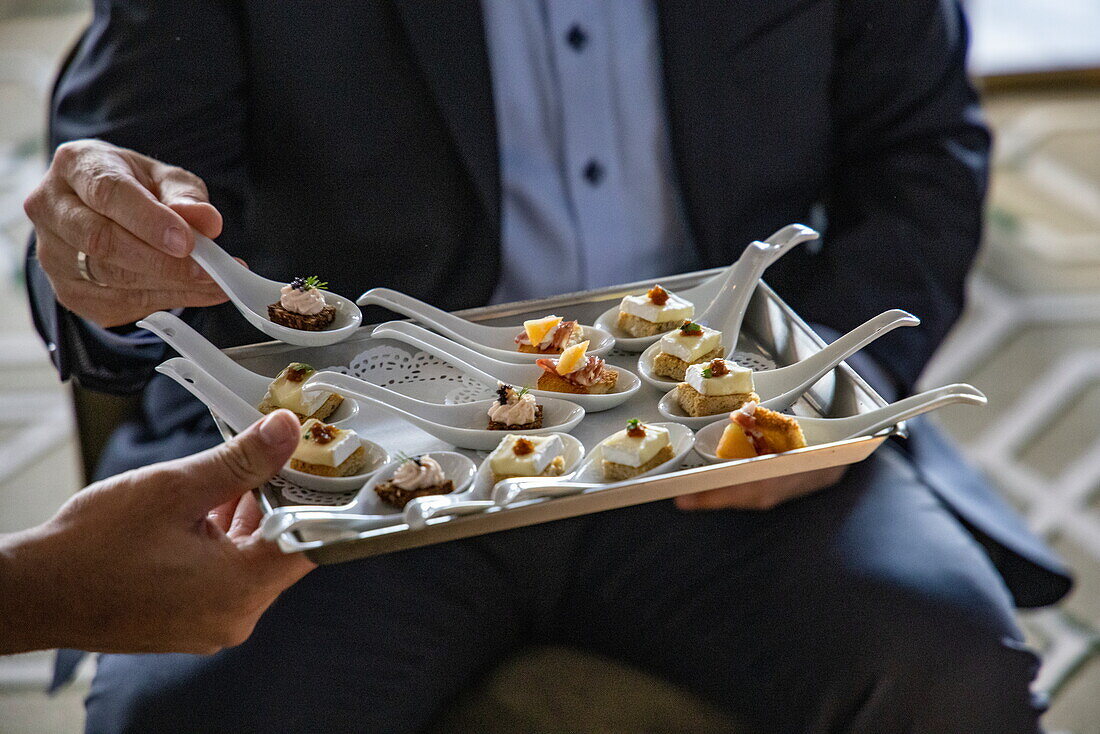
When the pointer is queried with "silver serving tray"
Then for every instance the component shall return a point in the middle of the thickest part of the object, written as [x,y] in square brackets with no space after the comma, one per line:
[771,330]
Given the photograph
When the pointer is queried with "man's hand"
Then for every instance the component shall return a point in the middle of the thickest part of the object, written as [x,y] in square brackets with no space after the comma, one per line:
[132,217]
[162,559]
[762,495]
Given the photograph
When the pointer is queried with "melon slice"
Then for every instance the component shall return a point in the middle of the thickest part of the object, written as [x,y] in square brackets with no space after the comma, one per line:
[734,444]
[573,358]
[537,329]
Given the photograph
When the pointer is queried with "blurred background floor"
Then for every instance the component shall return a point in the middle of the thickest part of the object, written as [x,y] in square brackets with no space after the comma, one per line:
[1030,338]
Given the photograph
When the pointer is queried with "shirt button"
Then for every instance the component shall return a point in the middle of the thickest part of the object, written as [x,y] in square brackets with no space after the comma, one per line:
[593,172]
[576,37]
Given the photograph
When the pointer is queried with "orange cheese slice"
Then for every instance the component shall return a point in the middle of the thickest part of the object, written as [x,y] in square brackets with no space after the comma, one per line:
[573,358]
[537,329]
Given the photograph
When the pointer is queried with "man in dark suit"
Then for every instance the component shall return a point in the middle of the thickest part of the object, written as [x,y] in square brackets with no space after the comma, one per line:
[470,151]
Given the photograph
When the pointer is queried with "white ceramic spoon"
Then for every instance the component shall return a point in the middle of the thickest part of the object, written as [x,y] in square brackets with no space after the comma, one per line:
[245,383]
[454,424]
[496,341]
[590,473]
[456,467]
[477,498]
[239,415]
[252,294]
[828,430]
[780,388]
[726,312]
[703,295]
[489,371]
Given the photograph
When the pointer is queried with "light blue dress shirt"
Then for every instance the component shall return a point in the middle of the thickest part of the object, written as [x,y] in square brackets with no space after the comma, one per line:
[589,196]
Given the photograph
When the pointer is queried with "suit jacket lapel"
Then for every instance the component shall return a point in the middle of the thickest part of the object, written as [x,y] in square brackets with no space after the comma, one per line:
[449,43]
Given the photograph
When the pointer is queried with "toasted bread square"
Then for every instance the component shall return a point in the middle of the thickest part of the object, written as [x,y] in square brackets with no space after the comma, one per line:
[637,326]
[317,322]
[675,368]
[698,405]
[613,472]
[398,497]
[354,464]
[557,383]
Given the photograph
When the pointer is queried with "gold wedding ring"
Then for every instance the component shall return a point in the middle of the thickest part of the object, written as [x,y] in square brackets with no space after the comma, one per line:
[82,266]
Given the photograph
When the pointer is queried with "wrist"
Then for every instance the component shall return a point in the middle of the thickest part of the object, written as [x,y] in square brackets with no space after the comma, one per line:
[27,615]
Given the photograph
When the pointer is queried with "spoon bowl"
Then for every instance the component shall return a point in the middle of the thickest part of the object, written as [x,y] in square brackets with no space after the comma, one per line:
[239,415]
[247,384]
[252,294]
[820,431]
[478,498]
[707,294]
[489,371]
[590,474]
[370,512]
[496,341]
[457,425]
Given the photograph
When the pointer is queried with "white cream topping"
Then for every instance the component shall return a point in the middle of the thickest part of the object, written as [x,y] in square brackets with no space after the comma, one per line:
[288,394]
[691,348]
[621,448]
[333,453]
[517,411]
[738,379]
[674,309]
[422,473]
[503,459]
[307,303]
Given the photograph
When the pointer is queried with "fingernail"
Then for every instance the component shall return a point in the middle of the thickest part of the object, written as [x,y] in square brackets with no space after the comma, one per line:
[197,272]
[686,501]
[277,429]
[175,241]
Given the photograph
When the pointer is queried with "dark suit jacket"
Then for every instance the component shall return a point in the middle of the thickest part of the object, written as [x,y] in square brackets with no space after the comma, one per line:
[362,134]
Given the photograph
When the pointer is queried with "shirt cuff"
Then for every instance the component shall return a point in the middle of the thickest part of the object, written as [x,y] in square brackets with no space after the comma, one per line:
[137,338]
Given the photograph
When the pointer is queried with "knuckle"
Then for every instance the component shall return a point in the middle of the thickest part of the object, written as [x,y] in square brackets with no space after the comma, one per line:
[238,462]
[67,153]
[34,204]
[98,239]
[102,188]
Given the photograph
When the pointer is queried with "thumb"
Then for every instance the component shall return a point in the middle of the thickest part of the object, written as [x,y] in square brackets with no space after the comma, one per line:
[185,193]
[246,461]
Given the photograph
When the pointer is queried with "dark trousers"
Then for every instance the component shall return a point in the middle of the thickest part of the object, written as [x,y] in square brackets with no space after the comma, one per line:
[865,608]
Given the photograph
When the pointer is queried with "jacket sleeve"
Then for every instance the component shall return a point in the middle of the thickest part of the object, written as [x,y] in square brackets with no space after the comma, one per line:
[910,167]
[166,79]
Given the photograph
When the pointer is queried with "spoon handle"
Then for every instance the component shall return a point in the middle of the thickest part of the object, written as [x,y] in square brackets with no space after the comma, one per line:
[284,520]
[867,424]
[787,238]
[179,335]
[233,409]
[421,509]
[462,357]
[443,322]
[793,380]
[727,310]
[511,491]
